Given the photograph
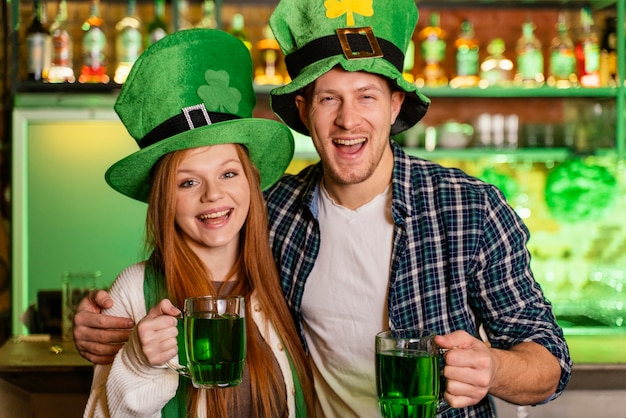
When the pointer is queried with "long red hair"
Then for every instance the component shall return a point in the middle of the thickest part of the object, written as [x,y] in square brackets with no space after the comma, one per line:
[186,275]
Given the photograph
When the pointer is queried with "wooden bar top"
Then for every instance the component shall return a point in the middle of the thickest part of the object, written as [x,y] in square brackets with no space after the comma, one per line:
[45,366]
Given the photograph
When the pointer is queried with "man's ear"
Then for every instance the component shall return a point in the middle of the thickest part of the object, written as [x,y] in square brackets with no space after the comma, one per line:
[302,109]
[397,98]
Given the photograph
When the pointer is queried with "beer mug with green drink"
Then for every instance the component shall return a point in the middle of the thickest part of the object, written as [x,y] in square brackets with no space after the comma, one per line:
[407,374]
[214,331]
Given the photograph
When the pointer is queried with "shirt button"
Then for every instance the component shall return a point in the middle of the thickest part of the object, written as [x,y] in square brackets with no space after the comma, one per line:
[280,347]
[293,391]
[257,307]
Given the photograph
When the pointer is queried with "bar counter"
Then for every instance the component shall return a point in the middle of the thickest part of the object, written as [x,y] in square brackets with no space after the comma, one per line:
[54,371]
[43,379]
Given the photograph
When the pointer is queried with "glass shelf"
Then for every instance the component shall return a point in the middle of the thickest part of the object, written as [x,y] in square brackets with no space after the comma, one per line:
[519,92]
[527,4]
[504,155]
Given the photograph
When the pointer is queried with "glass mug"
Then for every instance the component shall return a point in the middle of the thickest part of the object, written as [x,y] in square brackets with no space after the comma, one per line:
[214,332]
[408,374]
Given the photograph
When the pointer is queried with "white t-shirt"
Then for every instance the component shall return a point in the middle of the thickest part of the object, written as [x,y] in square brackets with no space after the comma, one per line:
[345,304]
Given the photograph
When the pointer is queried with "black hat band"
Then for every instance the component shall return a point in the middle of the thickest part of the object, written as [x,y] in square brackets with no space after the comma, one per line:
[191,117]
[354,43]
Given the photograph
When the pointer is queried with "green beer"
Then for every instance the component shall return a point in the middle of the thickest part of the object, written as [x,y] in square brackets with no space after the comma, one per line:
[408,383]
[216,349]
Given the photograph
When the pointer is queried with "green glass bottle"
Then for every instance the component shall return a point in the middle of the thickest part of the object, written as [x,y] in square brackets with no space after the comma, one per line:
[562,67]
[529,58]
[238,29]
[128,42]
[157,28]
[467,60]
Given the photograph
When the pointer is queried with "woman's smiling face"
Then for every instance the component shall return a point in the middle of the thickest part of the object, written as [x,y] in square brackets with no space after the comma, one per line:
[212,198]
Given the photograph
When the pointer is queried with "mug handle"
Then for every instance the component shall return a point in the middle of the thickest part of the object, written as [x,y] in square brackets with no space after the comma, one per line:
[174,365]
[181,370]
[443,405]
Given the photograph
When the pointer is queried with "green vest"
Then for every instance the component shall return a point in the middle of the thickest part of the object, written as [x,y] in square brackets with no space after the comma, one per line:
[154,290]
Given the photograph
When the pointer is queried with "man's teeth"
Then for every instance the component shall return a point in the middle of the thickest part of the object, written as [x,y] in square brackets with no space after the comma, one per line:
[215,214]
[349,141]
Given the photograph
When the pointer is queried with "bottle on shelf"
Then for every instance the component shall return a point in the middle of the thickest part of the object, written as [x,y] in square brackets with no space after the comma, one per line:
[62,64]
[562,66]
[208,15]
[608,53]
[94,68]
[128,42]
[496,69]
[37,44]
[182,15]
[409,62]
[467,49]
[157,28]
[587,51]
[529,58]
[433,47]
[267,71]
[238,29]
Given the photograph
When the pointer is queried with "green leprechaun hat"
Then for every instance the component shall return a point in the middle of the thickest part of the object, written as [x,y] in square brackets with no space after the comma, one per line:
[194,88]
[358,35]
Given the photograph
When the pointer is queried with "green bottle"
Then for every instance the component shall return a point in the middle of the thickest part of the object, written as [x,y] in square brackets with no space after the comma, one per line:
[562,67]
[157,28]
[128,43]
[529,58]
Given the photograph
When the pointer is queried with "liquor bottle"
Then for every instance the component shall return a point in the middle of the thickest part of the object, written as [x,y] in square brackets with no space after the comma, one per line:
[237,28]
[157,28]
[208,15]
[496,69]
[94,68]
[128,43]
[182,15]
[433,46]
[529,58]
[409,63]
[37,41]
[62,65]
[608,53]
[587,51]
[267,70]
[467,49]
[562,68]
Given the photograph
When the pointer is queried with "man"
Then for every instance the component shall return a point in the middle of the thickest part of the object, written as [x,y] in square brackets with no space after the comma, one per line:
[371,239]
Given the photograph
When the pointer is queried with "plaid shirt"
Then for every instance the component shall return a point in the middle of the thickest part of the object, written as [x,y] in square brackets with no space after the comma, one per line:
[459,258]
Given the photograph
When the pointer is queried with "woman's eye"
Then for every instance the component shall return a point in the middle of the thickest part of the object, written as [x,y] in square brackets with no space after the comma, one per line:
[230,174]
[187,183]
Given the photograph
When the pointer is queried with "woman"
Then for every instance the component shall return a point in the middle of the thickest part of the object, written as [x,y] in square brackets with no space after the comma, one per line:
[202,165]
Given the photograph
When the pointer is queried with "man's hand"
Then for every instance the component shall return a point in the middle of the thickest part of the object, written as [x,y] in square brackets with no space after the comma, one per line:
[99,337]
[525,374]
[469,369]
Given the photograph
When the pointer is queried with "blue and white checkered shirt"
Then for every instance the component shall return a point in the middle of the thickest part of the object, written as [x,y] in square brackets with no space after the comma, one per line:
[459,258]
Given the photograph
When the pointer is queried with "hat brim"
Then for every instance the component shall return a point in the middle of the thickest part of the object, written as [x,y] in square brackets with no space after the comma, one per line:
[413,109]
[269,143]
